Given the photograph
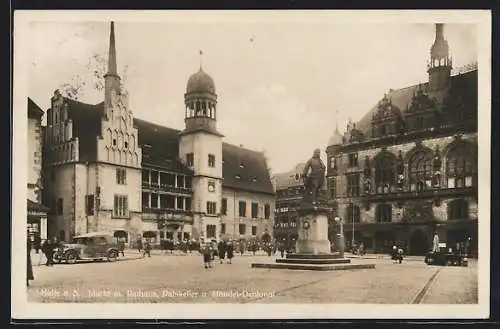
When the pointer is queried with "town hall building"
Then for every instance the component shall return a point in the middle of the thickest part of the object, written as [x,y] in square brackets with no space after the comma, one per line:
[106,170]
[409,167]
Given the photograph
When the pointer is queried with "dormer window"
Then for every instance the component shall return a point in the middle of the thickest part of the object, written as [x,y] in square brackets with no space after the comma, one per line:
[242,166]
[254,179]
[237,177]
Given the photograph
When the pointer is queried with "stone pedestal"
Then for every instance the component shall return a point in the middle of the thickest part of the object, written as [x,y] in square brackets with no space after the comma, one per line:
[313,246]
[313,233]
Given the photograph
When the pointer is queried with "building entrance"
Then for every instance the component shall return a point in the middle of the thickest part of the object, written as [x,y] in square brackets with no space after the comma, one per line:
[419,244]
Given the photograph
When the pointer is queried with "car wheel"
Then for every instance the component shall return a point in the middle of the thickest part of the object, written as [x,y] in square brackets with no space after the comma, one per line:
[112,256]
[430,261]
[71,258]
[449,263]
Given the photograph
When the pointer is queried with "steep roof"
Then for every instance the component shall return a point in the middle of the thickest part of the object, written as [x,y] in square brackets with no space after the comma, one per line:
[245,169]
[34,111]
[462,85]
[160,146]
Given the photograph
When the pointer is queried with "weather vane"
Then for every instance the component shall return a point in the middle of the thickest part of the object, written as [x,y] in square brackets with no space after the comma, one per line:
[201,59]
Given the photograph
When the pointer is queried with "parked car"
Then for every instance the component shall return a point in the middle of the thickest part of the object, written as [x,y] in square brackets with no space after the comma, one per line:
[90,246]
[446,258]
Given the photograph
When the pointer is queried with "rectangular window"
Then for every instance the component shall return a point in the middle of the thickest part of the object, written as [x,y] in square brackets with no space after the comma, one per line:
[211,160]
[332,186]
[187,182]
[154,200]
[353,160]
[145,176]
[267,211]
[154,177]
[180,181]
[180,202]
[242,229]
[211,231]
[353,185]
[120,206]
[255,210]
[223,207]
[222,228]
[211,208]
[145,200]
[188,204]
[89,204]
[242,209]
[190,159]
[254,230]
[59,206]
[121,176]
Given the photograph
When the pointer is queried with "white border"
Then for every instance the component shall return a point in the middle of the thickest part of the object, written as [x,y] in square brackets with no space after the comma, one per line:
[21,309]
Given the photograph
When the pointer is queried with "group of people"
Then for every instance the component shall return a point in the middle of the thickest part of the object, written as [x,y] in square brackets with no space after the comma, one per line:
[225,249]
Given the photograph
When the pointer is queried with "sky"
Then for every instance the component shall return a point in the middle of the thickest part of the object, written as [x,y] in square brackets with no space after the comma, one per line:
[282,86]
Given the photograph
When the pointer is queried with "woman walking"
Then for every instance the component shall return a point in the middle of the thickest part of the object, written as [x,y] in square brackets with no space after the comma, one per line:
[221,250]
[230,251]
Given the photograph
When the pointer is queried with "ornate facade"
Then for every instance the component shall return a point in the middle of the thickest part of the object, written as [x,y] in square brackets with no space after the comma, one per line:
[409,167]
[109,171]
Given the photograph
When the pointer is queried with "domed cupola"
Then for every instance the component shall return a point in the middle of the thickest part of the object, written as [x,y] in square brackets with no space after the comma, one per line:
[201,103]
[200,83]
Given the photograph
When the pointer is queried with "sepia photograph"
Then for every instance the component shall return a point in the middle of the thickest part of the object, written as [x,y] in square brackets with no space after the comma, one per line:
[247,164]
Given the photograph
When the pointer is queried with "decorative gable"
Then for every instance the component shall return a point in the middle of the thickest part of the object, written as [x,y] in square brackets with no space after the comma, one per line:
[387,119]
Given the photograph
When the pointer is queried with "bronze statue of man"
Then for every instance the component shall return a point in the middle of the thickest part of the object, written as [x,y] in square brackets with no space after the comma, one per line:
[314,176]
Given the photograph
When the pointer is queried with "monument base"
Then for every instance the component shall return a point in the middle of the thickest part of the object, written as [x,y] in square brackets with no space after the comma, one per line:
[313,247]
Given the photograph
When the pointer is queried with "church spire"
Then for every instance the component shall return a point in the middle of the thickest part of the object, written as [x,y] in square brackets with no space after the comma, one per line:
[439,66]
[111,78]
[112,52]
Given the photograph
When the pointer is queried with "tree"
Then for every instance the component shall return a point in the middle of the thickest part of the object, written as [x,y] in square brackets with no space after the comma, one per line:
[92,79]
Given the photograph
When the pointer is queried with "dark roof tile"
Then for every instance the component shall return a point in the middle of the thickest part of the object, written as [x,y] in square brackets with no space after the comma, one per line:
[34,111]
[36,207]
[250,166]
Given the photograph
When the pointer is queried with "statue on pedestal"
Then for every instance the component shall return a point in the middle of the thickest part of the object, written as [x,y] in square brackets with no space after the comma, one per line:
[436,166]
[314,178]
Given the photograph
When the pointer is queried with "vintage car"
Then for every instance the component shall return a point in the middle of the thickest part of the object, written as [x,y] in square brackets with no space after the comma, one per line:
[90,246]
[446,258]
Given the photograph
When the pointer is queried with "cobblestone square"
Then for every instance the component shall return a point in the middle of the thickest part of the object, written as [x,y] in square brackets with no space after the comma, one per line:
[181,279]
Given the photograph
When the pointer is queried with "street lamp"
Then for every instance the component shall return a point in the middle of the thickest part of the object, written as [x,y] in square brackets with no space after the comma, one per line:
[340,236]
[352,219]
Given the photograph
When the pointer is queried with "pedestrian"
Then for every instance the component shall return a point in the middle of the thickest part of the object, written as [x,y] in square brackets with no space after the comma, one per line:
[361,249]
[139,245]
[207,252]
[435,242]
[29,266]
[230,251]
[121,247]
[37,243]
[400,255]
[394,255]
[221,250]
[281,248]
[48,250]
[147,249]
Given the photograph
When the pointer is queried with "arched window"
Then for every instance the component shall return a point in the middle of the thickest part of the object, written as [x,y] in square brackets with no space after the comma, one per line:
[385,172]
[459,167]
[420,176]
[458,209]
[383,213]
[352,213]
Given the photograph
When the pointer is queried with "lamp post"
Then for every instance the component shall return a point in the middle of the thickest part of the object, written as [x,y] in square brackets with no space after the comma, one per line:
[340,236]
[352,219]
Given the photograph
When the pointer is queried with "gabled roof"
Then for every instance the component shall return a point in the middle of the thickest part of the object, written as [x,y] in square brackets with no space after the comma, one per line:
[34,111]
[245,169]
[462,85]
